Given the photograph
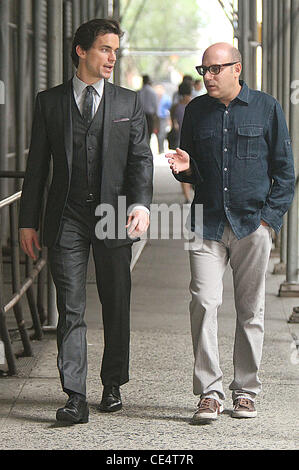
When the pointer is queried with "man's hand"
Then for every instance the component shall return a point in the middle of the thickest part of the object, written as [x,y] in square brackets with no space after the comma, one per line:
[264,223]
[29,240]
[179,161]
[138,222]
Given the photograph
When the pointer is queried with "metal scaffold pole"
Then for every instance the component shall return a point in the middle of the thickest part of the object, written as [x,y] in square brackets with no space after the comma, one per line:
[284,98]
[265,48]
[274,47]
[55,77]
[116,16]
[4,78]
[290,288]
[253,44]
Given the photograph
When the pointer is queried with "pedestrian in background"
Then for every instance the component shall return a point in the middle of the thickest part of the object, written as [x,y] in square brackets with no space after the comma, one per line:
[149,101]
[198,88]
[163,115]
[177,115]
[176,95]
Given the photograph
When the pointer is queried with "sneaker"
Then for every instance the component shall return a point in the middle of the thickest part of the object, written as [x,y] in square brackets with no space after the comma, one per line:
[244,408]
[208,410]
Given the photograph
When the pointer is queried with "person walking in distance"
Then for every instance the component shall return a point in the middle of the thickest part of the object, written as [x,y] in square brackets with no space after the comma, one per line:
[236,151]
[95,133]
[149,102]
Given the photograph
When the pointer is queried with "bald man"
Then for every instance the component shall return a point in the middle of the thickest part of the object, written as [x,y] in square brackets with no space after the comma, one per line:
[236,151]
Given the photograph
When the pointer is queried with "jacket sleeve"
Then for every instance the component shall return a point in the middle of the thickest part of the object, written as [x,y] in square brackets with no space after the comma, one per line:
[140,160]
[37,170]
[193,175]
[281,170]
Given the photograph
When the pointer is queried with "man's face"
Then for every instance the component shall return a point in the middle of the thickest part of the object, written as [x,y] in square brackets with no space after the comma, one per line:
[224,85]
[98,61]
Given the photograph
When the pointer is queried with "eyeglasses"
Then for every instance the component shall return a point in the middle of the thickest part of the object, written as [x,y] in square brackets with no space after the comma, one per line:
[213,69]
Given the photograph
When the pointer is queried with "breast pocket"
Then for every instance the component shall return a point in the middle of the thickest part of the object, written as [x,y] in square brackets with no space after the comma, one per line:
[248,142]
[204,142]
[120,131]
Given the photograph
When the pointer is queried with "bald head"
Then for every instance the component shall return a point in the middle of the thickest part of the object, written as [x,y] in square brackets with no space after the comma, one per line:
[225,51]
[224,85]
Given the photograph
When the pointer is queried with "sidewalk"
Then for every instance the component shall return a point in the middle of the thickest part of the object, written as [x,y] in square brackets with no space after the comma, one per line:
[158,401]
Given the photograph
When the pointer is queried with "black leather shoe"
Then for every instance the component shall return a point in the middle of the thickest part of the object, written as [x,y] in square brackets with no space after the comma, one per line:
[111,399]
[75,411]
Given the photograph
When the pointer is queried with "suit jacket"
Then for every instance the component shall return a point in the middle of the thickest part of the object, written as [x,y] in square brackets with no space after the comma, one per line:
[127,164]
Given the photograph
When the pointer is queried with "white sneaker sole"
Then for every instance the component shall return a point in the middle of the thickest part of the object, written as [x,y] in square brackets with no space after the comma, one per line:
[244,414]
[198,418]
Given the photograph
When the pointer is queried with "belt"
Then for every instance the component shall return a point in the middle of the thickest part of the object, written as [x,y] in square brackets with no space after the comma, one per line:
[90,198]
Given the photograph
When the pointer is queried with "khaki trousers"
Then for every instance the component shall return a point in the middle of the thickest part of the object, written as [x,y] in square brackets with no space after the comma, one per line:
[249,259]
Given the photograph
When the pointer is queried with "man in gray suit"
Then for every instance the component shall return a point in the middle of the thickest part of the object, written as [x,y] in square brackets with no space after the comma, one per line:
[96,134]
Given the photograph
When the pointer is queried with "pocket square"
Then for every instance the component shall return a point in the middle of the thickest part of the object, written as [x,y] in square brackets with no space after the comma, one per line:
[121,120]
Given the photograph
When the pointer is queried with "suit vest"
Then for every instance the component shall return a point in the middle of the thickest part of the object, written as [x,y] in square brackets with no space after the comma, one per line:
[87,156]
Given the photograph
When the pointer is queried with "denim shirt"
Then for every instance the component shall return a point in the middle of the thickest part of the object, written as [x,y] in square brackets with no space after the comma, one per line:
[241,162]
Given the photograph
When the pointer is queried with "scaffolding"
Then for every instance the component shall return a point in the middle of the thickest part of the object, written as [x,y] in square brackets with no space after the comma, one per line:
[35,45]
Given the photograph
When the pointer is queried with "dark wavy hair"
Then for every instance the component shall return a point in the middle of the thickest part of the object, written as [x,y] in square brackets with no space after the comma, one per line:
[87,33]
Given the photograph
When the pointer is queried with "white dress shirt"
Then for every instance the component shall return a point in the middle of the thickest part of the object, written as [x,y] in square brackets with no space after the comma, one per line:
[79,88]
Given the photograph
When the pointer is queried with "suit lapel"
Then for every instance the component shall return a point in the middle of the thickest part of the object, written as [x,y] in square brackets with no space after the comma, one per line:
[67,122]
[108,94]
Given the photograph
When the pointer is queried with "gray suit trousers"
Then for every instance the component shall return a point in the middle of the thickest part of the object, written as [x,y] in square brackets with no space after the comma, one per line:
[68,261]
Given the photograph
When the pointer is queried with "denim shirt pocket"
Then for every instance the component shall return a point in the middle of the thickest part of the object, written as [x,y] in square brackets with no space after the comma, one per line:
[248,141]
[204,142]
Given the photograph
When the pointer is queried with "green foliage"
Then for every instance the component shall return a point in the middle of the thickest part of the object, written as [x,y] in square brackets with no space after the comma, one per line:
[161,24]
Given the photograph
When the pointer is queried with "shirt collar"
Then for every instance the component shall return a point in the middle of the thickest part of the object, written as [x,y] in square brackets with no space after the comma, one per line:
[79,86]
[244,92]
[242,96]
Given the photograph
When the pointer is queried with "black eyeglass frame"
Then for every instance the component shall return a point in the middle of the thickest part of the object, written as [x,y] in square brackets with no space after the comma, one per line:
[205,69]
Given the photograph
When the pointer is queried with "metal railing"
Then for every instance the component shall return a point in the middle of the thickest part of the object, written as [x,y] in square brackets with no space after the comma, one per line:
[33,271]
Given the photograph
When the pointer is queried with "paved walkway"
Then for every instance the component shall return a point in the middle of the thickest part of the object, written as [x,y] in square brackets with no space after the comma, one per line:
[158,400]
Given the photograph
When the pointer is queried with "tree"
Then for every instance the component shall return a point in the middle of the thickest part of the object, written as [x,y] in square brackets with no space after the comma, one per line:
[160,25]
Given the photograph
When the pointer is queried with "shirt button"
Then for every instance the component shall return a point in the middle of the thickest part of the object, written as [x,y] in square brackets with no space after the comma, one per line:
[225,169]
[225,189]
[226,112]
[225,150]
[225,130]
